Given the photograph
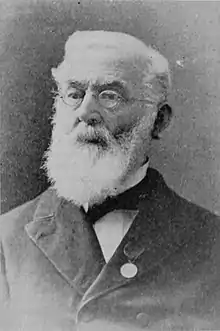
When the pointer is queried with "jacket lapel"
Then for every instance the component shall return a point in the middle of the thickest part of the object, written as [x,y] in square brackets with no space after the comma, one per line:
[153,236]
[59,231]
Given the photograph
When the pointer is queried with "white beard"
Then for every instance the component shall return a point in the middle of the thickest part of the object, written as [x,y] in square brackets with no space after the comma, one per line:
[89,173]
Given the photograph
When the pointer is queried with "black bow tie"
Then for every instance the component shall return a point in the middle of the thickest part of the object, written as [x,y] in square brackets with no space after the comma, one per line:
[129,200]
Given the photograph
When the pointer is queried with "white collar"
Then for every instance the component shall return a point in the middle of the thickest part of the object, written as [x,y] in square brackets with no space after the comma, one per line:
[130,182]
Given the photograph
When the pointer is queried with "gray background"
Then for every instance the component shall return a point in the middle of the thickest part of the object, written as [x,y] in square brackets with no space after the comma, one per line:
[32,36]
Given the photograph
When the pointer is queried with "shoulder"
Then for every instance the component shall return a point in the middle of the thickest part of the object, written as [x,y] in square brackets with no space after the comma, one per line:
[170,202]
[18,217]
[12,223]
[190,209]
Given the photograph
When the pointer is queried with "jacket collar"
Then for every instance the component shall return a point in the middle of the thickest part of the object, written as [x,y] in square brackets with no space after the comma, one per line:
[59,231]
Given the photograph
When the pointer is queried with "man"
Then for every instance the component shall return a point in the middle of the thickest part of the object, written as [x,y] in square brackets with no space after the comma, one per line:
[109,246]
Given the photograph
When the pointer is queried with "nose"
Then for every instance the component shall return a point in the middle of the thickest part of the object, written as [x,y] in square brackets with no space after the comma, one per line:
[88,111]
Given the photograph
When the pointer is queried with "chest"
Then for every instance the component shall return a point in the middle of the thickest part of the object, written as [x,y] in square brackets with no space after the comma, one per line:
[140,304]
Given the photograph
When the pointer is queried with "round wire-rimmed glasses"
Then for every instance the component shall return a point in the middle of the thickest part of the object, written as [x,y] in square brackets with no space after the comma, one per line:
[108,99]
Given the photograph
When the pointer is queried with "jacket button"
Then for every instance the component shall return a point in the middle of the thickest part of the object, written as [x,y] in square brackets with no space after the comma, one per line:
[87,317]
[128,270]
[143,319]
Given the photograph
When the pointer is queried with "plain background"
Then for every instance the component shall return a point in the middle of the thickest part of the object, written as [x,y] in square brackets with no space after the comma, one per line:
[32,38]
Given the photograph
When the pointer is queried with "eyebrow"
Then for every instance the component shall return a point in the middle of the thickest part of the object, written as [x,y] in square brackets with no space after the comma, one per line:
[115,84]
[75,83]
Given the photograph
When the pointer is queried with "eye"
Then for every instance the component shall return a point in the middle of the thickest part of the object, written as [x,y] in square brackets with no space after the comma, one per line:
[110,99]
[74,96]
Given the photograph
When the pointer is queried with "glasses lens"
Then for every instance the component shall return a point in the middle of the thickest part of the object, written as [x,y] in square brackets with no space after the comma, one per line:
[74,97]
[109,99]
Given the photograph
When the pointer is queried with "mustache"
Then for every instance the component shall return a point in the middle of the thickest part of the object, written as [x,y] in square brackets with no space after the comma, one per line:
[95,139]
[85,134]
[100,136]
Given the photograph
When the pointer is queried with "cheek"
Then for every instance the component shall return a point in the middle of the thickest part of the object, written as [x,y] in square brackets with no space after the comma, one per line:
[64,118]
[124,120]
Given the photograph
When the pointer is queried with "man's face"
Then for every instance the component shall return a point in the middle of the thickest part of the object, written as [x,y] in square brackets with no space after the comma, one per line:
[101,132]
[98,71]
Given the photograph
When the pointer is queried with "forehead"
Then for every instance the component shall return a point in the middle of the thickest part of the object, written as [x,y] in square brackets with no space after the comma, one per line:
[105,65]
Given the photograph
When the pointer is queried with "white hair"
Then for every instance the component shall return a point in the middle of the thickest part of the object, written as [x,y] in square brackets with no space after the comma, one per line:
[153,65]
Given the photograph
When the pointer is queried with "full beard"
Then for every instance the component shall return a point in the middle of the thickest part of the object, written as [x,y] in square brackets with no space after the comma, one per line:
[89,164]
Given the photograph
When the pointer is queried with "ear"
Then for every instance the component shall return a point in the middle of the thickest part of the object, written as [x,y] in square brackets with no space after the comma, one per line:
[162,120]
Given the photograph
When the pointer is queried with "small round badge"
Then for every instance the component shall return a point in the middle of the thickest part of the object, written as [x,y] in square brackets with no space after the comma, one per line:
[143,319]
[129,270]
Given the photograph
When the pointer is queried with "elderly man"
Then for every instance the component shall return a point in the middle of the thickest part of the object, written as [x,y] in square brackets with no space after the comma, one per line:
[109,246]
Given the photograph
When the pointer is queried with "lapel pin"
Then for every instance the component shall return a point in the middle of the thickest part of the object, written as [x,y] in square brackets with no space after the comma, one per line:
[129,270]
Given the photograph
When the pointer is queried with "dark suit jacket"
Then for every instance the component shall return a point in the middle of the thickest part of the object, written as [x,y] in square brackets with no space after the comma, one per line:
[54,277]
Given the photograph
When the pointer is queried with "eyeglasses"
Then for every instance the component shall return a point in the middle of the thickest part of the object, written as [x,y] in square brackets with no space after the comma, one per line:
[108,99]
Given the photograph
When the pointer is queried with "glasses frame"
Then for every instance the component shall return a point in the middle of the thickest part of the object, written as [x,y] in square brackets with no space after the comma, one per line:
[117,104]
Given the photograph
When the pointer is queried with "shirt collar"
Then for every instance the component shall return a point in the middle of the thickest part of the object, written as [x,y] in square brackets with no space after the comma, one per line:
[132,180]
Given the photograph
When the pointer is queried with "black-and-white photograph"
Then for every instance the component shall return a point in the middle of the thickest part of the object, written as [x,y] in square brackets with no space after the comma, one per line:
[110,165]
